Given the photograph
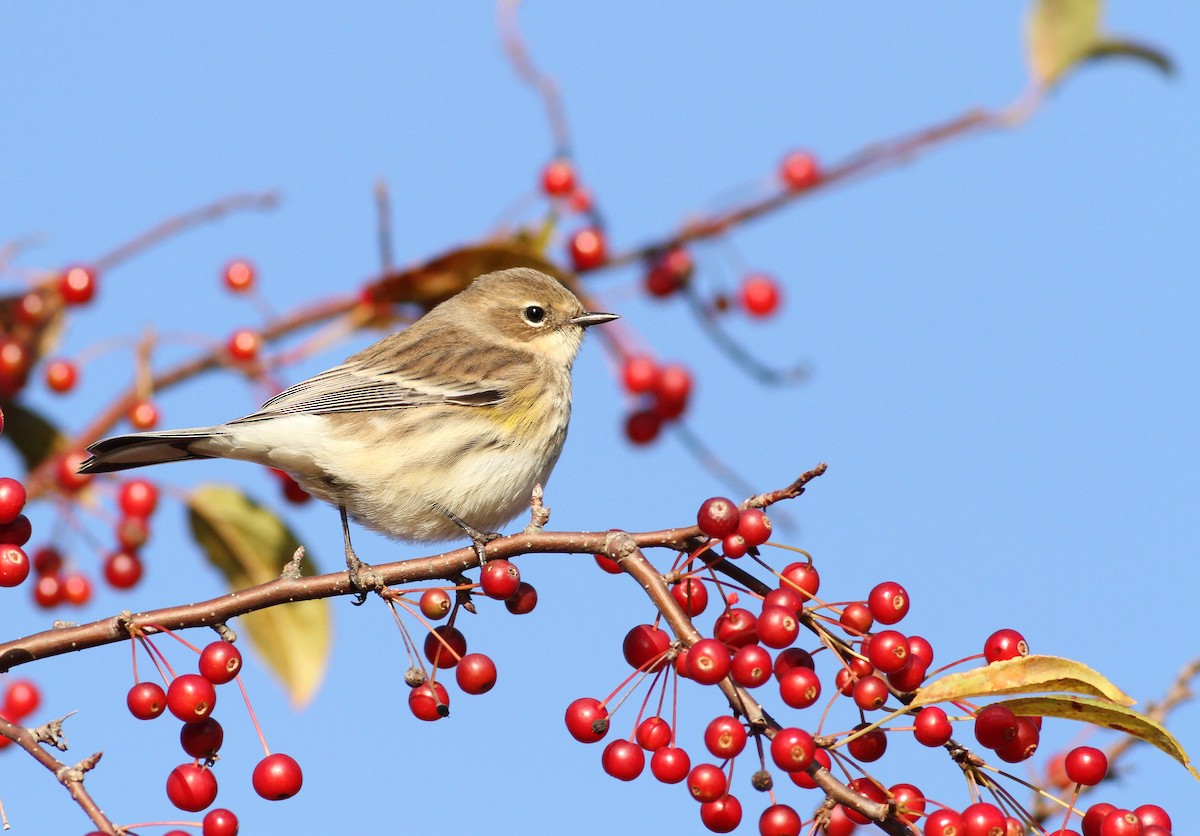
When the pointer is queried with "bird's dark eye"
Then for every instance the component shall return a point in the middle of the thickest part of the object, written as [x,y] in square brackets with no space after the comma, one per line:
[535,314]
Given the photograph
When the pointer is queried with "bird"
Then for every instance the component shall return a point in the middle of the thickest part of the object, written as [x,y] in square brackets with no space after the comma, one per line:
[441,429]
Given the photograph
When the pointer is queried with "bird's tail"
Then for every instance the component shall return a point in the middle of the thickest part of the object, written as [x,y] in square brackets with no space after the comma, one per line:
[138,449]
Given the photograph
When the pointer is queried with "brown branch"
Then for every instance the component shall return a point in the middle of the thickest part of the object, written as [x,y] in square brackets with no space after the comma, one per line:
[180,223]
[874,157]
[514,46]
[70,777]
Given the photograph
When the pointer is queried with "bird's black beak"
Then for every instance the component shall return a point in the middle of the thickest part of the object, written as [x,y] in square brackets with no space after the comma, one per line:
[589,319]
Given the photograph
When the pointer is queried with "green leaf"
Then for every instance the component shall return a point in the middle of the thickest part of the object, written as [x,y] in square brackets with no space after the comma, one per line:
[1106,715]
[1060,34]
[1022,675]
[1117,48]
[250,545]
[35,438]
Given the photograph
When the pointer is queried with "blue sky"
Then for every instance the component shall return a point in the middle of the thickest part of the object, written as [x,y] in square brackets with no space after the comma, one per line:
[1002,335]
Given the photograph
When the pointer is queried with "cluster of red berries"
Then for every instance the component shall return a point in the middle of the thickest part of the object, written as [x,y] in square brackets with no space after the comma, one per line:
[75,285]
[53,586]
[664,390]
[875,663]
[560,182]
[191,698]
[445,646]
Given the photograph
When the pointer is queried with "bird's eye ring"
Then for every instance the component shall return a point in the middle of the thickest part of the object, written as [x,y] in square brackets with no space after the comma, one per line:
[535,314]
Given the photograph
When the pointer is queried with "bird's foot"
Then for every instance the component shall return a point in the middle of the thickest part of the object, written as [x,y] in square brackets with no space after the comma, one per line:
[362,576]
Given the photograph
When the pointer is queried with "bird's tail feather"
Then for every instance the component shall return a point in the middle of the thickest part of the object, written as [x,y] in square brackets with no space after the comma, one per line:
[138,449]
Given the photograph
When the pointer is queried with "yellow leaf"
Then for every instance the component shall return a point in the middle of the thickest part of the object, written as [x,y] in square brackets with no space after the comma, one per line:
[1060,34]
[1023,675]
[1107,715]
[250,545]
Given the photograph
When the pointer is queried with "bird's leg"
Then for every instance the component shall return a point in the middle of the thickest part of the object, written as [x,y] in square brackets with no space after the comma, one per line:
[363,579]
[479,539]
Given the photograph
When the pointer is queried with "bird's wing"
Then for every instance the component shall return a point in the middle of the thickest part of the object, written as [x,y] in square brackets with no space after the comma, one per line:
[350,388]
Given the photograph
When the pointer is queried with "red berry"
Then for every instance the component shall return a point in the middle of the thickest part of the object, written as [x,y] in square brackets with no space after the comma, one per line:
[869,747]
[476,673]
[47,561]
[239,276]
[17,532]
[77,285]
[191,697]
[777,626]
[623,760]
[202,739]
[587,720]
[722,815]
[580,200]
[277,777]
[888,651]
[920,648]
[751,666]
[909,802]
[1151,815]
[888,602]
[220,662]
[669,273]
[608,564]
[1094,817]
[429,701]
[14,366]
[869,789]
[588,249]
[793,657]
[725,737]
[61,375]
[558,178]
[691,594]
[672,391]
[653,733]
[932,727]
[799,170]
[734,546]
[67,473]
[799,687]
[983,819]
[12,499]
[793,749]
[643,426]
[1021,747]
[219,822]
[670,765]
[76,589]
[14,565]
[640,374]
[21,699]
[1004,644]
[499,579]
[708,661]
[143,415]
[759,295]
[870,693]
[523,600]
[645,647]
[779,820]
[435,604]
[736,627]
[48,592]
[910,677]
[32,308]
[437,651]
[1085,765]
[706,782]
[244,345]
[754,526]
[191,787]
[785,597]
[122,570]
[133,532]
[944,822]
[857,619]
[995,725]
[801,577]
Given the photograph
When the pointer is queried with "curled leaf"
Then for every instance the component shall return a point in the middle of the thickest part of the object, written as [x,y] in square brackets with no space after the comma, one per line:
[250,545]
[1023,675]
[1117,48]
[1106,715]
[1062,34]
